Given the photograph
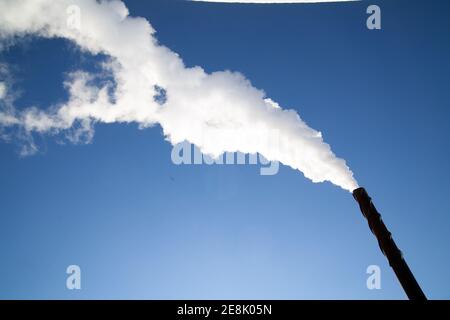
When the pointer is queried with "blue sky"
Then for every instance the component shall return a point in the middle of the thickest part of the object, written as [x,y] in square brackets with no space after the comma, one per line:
[141,227]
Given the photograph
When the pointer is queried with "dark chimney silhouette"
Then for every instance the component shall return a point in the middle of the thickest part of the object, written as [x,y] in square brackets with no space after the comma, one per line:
[388,246]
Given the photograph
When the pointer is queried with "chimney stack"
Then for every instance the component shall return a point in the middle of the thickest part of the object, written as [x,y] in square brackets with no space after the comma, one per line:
[388,246]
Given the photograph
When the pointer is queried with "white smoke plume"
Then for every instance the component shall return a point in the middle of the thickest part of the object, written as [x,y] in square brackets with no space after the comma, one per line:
[218,112]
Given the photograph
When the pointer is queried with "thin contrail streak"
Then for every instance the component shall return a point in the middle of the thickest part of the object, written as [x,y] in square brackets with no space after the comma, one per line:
[273,1]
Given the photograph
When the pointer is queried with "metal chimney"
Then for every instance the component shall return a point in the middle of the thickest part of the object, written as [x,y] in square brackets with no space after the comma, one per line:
[388,246]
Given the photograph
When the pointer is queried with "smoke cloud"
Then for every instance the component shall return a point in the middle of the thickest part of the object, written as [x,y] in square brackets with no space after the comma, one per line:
[218,112]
